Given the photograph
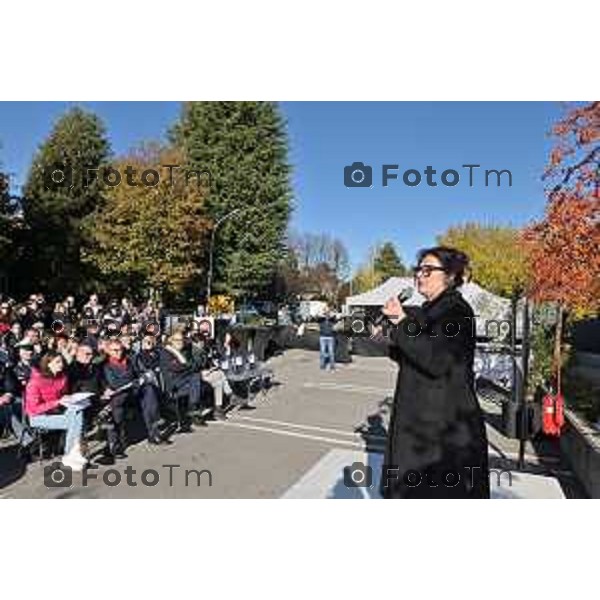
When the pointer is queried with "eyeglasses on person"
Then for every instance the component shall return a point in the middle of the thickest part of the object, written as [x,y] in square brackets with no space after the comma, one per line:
[426,270]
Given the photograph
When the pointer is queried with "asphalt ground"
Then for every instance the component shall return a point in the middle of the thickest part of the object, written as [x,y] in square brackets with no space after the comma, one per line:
[294,442]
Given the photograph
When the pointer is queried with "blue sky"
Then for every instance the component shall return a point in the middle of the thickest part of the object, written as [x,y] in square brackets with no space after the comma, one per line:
[326,136]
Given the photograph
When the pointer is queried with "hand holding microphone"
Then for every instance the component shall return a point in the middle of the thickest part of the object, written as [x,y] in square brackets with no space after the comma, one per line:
[393,310]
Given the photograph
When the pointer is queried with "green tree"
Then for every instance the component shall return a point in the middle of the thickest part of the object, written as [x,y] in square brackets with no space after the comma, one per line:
[496,255]
[365,279]
[52,212]
[150,238]
[243,146]
[8,213]
[387,263]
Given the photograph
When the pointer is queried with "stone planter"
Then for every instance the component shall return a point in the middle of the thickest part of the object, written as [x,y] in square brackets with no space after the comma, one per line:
[580,444]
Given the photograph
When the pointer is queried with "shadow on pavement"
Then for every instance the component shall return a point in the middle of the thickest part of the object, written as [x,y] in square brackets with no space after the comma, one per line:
[12,465]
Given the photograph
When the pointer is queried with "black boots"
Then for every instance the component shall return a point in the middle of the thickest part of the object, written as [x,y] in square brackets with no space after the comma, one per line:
[117,441]
[154,435]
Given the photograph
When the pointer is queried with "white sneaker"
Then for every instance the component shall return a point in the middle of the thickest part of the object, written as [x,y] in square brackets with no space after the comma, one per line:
[76,456]
[72,463]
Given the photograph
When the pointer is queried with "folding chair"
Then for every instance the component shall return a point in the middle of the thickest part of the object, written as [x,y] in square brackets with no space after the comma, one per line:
[37,435]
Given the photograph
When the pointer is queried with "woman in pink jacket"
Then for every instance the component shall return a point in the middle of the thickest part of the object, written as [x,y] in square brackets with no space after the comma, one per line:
[47,385]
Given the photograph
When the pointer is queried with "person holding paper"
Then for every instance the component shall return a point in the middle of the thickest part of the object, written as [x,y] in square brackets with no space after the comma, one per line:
[43,393]
[124,385]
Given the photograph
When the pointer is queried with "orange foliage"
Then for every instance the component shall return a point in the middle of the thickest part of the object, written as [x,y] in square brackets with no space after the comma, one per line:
[564,255]
[564,248]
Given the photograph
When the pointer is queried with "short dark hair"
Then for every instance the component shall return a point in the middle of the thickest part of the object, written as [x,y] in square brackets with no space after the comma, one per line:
[455,262]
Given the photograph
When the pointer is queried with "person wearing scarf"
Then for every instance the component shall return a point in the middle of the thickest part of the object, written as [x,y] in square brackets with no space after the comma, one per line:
[123,385]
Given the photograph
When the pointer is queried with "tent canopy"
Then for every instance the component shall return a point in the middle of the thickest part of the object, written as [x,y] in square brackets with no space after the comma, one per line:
[378,296]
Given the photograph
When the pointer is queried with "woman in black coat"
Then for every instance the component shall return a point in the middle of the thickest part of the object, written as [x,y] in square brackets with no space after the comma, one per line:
[437,445]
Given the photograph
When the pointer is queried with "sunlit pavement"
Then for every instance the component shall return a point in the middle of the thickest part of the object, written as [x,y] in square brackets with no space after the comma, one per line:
[295,443]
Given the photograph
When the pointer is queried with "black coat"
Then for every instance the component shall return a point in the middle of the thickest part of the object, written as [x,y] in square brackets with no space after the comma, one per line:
[437,445]
[146,360]
[177,375]
[84,378]
[8,381]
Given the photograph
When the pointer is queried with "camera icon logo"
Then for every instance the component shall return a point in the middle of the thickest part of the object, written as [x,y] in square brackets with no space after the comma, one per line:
[358,175]
[58,176]
[357,325]
[358,475]
[57,475]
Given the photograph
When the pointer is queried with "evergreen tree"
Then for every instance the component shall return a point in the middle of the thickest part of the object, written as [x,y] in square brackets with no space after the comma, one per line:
[244,148]
[8,210]
[387,263]
[60,192]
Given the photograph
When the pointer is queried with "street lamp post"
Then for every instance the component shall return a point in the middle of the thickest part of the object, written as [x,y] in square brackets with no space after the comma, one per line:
[212,247]
[235,211]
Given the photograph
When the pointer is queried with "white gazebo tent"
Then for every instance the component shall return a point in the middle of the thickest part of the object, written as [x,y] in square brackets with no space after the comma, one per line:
[378,296]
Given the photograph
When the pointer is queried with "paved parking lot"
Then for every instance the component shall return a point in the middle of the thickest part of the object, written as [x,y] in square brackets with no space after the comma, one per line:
[293,444]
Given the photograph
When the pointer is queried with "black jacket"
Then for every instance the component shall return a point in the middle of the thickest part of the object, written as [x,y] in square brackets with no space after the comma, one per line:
[437,445]
[8,381]
[146,360]
[22,372]
[176,375]
[84,378]
[326,326]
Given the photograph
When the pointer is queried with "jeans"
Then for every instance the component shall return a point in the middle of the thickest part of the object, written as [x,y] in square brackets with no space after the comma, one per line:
[327,351]
[70,421]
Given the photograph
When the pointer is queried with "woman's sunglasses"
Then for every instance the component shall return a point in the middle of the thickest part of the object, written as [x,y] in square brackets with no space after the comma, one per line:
[425,270]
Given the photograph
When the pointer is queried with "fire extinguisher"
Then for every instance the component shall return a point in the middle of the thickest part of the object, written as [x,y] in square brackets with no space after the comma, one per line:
[553,413]
[553,404]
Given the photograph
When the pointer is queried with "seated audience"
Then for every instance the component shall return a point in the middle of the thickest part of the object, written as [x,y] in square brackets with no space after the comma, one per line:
[121,353]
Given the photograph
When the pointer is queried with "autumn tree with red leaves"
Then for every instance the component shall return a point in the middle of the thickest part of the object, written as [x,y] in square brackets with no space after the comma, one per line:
[562,249]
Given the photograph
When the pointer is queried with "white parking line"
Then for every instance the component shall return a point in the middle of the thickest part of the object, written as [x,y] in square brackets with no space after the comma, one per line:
[301,426]
[356,367]
[348,387]
[317,438]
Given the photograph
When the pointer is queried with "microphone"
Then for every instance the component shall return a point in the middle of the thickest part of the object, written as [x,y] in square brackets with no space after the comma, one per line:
[404,295]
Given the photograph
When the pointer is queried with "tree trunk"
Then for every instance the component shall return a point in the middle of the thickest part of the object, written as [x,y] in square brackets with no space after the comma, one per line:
[558,347]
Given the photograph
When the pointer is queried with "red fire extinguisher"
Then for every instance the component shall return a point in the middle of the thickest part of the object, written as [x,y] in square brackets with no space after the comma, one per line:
[553,404]
[553,415]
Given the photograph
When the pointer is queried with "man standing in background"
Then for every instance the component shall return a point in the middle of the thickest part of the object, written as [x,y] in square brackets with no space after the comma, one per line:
[327,340]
